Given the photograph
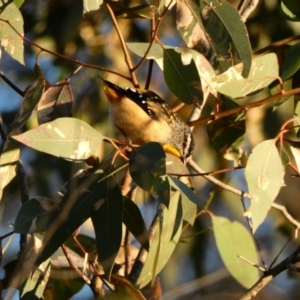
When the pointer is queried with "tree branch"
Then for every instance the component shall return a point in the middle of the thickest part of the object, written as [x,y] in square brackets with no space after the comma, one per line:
[271,273]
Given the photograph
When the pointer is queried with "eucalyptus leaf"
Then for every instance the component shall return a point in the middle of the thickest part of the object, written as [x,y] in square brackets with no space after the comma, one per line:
[234,243]
[264,175]
[64,137]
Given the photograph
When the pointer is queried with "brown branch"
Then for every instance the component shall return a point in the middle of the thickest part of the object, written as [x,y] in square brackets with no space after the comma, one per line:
[245,107]
[73,266]
[286,214]
[75,61]
[124,47]
[271,273]
[11,84]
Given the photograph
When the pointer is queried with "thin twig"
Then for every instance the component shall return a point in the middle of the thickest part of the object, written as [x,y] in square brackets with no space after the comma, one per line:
[286,214]
[271,273]
[63,56]
[124,47]
[217,182]
[229,112]
[73,266]
[11,84]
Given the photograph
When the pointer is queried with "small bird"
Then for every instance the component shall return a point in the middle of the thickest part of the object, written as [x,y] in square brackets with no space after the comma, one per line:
[142,116]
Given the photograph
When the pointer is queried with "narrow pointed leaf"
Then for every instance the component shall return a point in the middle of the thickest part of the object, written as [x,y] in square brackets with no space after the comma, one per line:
[107,222]
[135,223]
[56,102]
[164,241]
[31,99]
[64,137]
[74,209]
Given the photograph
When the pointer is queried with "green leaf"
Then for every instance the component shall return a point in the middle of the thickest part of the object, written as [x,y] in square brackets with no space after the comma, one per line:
[189,200]
[36,283]
[233,240]
[287,86]
[55,103]
[35,215]
[9,39]
[107,222]
[156,51]
[64,137]
[164,241]
[227,134]
[141,11]
[290,8]
[181,75]
[135,223]
[291,63]
[74,209]
[146,164]
[8,162]
[89,5]
[31,99]
[264,175]
[18,3]
[189,25]
[264,70]
[235,28]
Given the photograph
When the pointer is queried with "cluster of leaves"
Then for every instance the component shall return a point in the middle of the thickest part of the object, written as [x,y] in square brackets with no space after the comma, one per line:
[218,60]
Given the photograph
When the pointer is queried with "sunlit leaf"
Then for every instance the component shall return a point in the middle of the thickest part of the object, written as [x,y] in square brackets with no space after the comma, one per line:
[9,39]
[290,9]
[234,26]
[55,103]
[31,99]
[18,3]
[233,240]
[8,163]
[89,5]
[36,283]
[156,52]
[64,137]
[190,26]
[164,242]
[107,221]
[264,175]
[264,70]
[135,223]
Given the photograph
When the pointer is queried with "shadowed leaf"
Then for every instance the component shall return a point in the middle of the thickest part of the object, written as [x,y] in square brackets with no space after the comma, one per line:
[107,222]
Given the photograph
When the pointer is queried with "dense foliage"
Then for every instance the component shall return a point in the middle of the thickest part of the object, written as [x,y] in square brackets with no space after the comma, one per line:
[131,220]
